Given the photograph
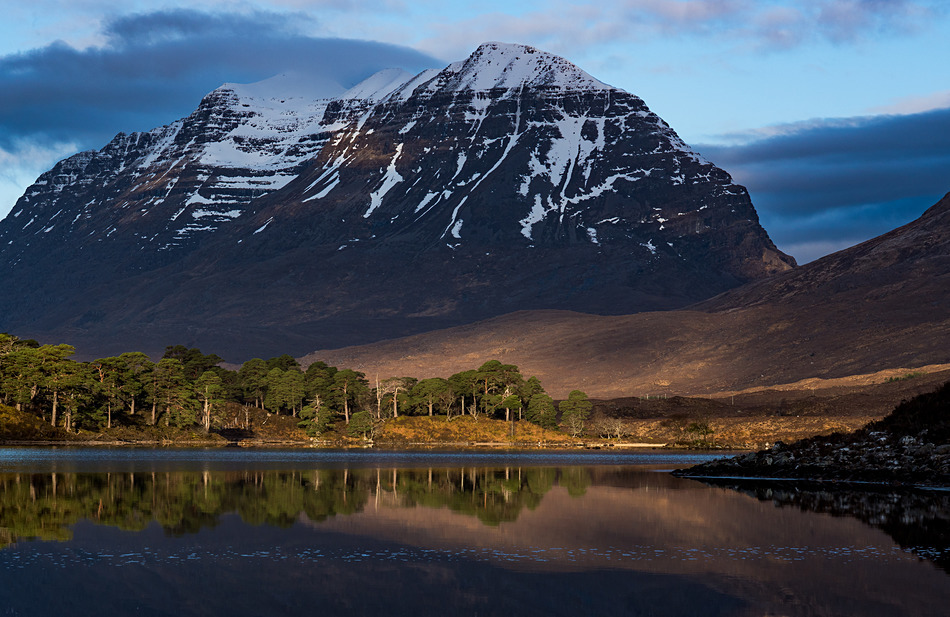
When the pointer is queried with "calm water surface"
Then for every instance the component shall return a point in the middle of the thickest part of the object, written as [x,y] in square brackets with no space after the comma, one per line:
[252,532]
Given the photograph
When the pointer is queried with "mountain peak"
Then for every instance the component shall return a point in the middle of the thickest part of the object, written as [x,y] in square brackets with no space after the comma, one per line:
[511,66]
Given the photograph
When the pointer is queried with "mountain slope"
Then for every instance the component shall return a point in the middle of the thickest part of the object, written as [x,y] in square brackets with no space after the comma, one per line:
[270,221]
[883,304]
[910,263]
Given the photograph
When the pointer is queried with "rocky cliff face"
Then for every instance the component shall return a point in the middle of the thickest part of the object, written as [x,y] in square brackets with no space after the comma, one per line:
[271,220]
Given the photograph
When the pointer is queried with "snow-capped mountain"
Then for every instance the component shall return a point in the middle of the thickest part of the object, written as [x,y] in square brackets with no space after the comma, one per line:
[289,211]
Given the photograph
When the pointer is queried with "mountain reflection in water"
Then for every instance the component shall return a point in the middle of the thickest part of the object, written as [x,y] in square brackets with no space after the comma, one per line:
[477,538]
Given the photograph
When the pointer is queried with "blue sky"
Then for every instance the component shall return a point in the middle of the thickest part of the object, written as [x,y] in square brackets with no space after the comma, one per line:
[834,113]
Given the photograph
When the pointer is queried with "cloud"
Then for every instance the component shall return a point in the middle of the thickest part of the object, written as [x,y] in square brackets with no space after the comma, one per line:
[562,28]
[155,67]
[808,250]
[915,104]
[23,162]
[152,69]
[28,154]
[182,25]
[755,24]
[844,20]
[842,180]
[786,23]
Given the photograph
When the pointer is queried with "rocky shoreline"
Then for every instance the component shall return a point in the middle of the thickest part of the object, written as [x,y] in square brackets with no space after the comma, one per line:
[909,447]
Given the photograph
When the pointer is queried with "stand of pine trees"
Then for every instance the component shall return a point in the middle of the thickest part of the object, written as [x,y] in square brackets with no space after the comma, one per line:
[188,389]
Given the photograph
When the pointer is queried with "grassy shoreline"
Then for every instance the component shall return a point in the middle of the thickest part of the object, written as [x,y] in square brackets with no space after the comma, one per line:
[414,432]
[317,445]
[745,422]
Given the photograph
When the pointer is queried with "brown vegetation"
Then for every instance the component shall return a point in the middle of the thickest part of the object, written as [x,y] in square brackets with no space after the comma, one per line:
[21,426]
[466,430]
[678,352]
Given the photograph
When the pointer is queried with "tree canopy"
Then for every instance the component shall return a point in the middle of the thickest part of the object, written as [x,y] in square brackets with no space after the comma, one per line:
[188,388]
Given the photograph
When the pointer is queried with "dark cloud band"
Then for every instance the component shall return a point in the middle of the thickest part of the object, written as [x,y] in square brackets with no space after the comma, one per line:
[155,67]
[843,181]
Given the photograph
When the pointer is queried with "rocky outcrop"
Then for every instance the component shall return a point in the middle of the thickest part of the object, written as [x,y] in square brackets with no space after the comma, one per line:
[911,446]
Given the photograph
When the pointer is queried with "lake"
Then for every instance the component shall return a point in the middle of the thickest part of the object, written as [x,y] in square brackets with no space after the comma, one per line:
[290,532]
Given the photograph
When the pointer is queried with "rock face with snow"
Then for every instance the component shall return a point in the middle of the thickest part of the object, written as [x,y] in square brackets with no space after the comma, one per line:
[275,220]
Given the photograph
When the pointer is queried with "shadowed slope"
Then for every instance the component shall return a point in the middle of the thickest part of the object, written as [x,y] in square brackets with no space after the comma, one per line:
[882,304]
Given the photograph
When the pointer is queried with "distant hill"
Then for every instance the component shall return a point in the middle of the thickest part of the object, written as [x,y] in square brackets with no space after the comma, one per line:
[879,305]
[270,221]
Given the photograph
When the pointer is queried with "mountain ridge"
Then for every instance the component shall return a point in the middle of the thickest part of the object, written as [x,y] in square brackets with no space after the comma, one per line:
[511,180]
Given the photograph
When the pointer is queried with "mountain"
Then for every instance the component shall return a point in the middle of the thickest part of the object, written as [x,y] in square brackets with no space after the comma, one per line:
[881,305]
[281,217]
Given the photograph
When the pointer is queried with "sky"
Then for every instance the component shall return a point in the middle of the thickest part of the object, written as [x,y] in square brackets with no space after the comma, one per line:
[835,114]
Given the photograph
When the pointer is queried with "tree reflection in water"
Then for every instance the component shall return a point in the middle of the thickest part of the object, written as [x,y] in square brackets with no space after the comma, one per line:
[477,538]
[44,506]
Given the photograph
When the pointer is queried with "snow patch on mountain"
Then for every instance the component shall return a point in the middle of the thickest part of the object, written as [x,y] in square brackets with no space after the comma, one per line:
[404,92]
[535,215]
[378,86]
[391,179]
[291,90]
[513,67]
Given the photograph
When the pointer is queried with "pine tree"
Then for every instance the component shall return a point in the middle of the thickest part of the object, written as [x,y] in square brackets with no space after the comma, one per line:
[575,411]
